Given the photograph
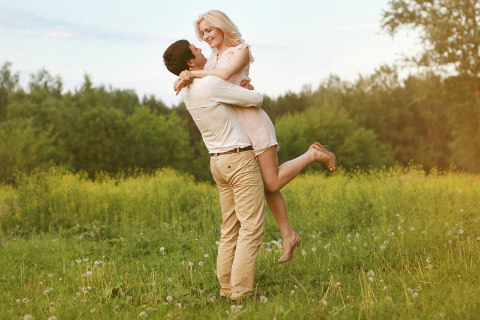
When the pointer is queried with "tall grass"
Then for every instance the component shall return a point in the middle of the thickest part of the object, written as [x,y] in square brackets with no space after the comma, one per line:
[392,244]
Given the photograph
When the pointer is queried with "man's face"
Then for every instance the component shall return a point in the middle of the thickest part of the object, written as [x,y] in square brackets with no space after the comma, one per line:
[199,60]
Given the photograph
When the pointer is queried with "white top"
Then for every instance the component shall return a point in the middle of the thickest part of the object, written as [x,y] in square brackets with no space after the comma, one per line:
[210,101]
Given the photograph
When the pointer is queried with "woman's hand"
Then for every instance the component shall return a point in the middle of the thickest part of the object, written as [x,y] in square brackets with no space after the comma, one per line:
[186,76]
[180,85]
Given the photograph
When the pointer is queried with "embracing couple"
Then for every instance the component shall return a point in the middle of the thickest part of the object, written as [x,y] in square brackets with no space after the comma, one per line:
[240,138]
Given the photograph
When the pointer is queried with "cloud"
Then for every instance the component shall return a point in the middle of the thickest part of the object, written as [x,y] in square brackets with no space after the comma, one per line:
[34,24]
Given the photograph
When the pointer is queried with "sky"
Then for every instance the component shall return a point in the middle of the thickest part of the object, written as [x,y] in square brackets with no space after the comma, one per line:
[120,43]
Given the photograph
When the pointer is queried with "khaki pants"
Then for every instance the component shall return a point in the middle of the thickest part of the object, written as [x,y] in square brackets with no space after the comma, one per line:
[242,198]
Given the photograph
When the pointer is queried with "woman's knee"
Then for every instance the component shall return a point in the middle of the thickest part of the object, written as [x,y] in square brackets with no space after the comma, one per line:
[271,186]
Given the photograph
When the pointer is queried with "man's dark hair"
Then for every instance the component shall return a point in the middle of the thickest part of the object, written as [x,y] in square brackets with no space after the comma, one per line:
[177,55]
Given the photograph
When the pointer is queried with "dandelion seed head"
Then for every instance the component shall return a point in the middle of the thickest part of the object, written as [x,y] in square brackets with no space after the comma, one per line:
[28,317]
[324,303]
[371,273]
[200,263]
[385,288]
[205,255]
[370,279]
[410,290]
[143,314]
[314,249]
[169,298]
[52,318]
[79,260]
[178,305]
[263,299]
[170,279]
[415,295]
[388,298]
[190,263]
[354,248]
[162,249]
[460,231]
[18,301]
[292,292]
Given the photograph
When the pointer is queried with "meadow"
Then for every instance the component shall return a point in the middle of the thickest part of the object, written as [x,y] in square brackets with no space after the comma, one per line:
[387,244]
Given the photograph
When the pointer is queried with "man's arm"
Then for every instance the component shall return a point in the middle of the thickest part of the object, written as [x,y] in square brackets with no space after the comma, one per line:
[226,92]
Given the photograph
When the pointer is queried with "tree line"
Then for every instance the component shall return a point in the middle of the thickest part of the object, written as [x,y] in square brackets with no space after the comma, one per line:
[430,118]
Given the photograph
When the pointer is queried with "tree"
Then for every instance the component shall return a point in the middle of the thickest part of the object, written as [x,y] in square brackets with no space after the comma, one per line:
[8,84]
[354,145]
[449,29]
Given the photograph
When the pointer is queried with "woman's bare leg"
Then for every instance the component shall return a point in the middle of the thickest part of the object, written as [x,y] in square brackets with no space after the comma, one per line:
[274,177]
[278,206]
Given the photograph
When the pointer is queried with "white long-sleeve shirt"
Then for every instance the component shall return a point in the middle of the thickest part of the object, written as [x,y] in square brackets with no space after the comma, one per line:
[210,101]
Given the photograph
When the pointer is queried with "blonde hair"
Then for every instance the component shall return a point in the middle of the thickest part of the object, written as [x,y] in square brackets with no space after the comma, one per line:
[220,20]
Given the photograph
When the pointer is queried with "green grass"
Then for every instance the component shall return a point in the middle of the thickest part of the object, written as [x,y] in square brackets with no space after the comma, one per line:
[384,245]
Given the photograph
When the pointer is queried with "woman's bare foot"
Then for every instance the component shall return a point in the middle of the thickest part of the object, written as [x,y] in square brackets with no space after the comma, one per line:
[323,156]
[289,245]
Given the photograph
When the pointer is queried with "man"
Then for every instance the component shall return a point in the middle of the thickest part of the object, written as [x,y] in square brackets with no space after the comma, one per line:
[233,165]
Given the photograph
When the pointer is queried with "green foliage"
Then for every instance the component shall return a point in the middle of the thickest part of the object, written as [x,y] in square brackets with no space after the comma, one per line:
[24,148]
[353,145]
[159,141]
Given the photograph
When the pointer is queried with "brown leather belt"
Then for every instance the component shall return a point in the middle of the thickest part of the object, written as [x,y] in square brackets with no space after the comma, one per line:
[236,150]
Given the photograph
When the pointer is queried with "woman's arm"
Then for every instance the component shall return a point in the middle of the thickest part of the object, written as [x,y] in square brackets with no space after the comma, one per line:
[236,63]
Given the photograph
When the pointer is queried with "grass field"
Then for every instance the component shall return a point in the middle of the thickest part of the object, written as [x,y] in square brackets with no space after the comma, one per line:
[394,244]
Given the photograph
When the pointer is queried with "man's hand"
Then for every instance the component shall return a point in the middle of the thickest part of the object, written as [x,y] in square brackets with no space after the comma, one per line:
[246,84]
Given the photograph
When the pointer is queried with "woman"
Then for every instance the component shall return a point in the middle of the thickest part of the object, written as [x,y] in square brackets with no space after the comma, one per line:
[230,60]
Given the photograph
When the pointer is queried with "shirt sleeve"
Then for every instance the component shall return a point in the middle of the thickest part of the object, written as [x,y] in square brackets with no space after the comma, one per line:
[226,92]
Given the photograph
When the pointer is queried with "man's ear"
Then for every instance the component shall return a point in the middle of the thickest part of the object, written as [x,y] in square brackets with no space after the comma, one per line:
[190,63]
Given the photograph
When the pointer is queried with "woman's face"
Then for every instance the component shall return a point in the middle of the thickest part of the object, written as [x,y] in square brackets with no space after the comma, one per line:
[213,36]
